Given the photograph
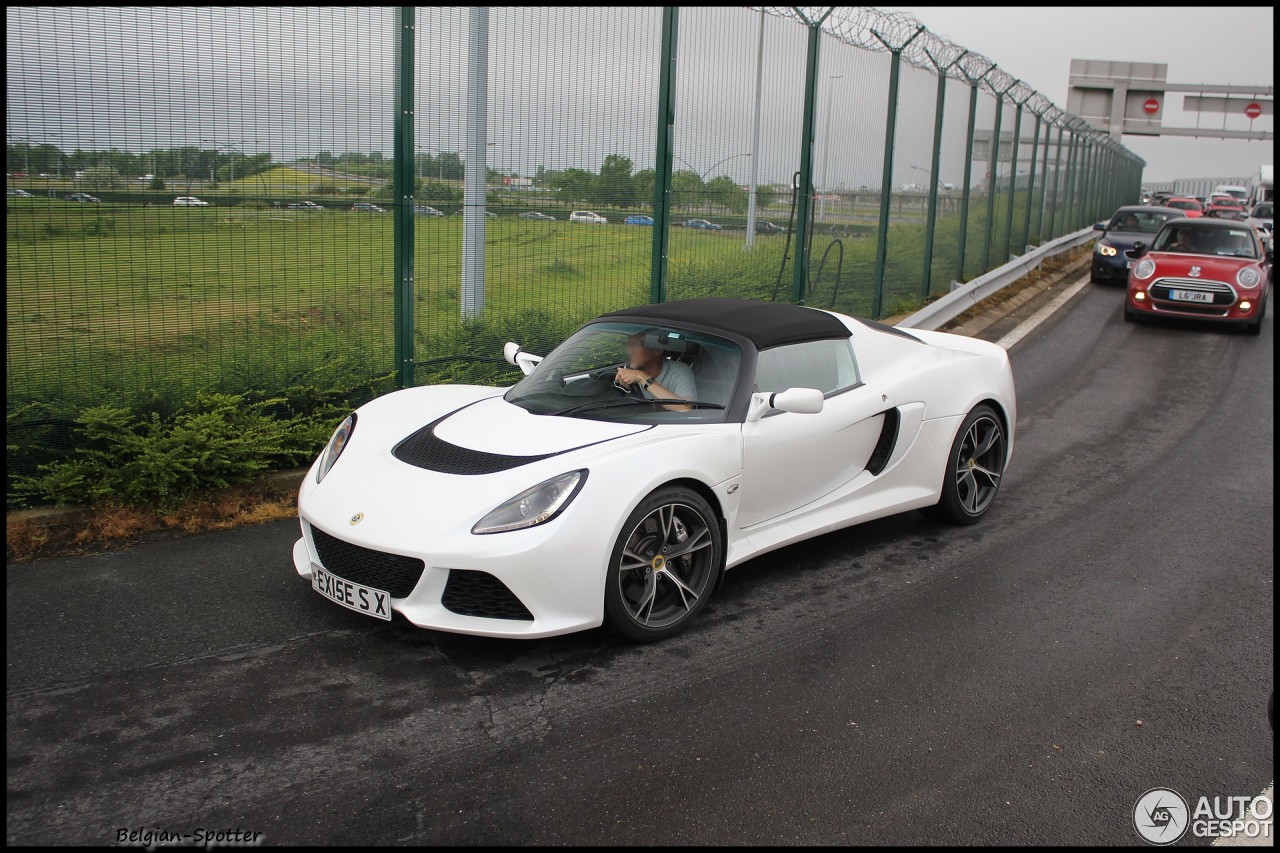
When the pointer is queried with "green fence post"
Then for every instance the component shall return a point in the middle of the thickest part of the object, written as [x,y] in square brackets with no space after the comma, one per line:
[663,157]
[402,191]
[1031,184]
[1068,212]
[886,182]
[931,220]
[1013,178]
[974,83]
[1057,187]
[800,272]
[1040,213]
[1091,184]
[991,180]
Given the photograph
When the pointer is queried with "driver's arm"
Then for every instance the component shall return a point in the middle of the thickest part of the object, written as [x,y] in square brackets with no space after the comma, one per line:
[683,390]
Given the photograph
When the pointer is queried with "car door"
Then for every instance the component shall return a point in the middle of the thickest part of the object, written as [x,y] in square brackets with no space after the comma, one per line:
[794,460]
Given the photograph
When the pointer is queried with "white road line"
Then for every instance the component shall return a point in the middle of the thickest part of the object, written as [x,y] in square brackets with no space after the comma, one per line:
[1263,838]
[1043,314]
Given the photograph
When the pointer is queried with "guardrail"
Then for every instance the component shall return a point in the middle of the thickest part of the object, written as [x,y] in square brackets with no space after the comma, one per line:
[955,303]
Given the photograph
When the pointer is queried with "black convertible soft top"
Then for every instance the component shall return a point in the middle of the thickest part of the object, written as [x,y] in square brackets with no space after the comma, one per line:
[765,324]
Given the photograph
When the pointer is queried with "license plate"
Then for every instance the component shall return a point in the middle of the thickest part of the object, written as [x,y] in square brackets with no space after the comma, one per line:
[1128,265]
[353,596]
[1190,296]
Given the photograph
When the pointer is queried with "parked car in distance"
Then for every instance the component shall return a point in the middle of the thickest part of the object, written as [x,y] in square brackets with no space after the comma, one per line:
[366,207]
[587,216]
[14,192]
[306,205]
[1190,207]
[1128,226]
[638,219]
[1239,193]
[83,198]
[1201,269]
[1262,217]
[426,210]
[189,201]
[701,223]
[764,226]
[541,217]
[1225,207]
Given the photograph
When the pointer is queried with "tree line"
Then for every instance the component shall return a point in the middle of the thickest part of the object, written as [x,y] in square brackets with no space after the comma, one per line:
[618,185]
[191,163]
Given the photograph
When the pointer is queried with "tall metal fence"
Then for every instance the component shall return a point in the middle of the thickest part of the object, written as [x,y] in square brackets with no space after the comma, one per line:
[323,204]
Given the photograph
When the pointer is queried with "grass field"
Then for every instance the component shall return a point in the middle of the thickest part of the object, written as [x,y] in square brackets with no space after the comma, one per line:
[141,306]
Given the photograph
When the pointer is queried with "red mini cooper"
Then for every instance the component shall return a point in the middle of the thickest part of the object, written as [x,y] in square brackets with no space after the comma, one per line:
[1201,269]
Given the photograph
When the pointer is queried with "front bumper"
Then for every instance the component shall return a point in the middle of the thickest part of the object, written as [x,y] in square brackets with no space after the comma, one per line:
[558,581]
[1151,304]
[1110,268]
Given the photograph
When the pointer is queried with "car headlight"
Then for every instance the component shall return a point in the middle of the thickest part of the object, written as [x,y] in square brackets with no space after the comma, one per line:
[1248,277]
[337,443]
[1144,269]
[533,506]
[1106,249]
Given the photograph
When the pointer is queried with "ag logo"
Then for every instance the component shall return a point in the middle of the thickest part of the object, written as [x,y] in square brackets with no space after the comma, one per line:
[357,518]
[1195,272]
[1160,816]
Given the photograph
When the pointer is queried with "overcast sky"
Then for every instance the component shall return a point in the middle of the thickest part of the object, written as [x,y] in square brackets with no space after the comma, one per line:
[570,85]
[1213,44]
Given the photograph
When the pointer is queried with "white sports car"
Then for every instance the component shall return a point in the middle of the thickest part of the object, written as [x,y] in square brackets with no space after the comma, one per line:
[593,491]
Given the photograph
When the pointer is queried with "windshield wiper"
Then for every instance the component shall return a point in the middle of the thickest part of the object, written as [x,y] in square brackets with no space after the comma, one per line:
[609,404]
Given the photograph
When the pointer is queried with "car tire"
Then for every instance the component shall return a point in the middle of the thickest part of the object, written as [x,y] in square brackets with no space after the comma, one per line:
[1255,328]
[975,467]
[664,566]
[1130,316]
[1093,278]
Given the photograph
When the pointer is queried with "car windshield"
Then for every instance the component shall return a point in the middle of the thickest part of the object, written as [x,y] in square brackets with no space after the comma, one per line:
[1262,211]
[1185,205]
[1139,221]
[578,378]
[1222,242]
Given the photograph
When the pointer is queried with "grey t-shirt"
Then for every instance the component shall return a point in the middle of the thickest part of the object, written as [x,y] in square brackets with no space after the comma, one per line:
[676,377]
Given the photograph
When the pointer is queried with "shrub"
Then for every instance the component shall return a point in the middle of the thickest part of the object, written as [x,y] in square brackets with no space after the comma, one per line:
[217,441]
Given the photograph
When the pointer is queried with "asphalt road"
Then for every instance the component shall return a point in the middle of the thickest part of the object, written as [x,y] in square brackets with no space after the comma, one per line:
[900,682]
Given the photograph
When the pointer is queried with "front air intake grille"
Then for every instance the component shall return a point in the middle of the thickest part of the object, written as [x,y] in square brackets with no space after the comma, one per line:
[393,573]
[884,445]
[470,593]
[424,449]
[1222,294]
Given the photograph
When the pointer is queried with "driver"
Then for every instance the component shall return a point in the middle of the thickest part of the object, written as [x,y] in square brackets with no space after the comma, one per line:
[657,377]
[1130,222]
[1182,241]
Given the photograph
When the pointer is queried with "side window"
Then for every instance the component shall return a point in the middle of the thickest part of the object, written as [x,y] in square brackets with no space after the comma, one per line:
[825,365]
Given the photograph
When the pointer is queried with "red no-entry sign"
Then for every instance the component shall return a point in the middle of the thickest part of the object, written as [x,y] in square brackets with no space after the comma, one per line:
[1253,109]
[1150,106]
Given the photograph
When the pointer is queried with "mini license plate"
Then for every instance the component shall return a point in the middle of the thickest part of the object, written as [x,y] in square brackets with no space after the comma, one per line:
[1190,296]
[353,596]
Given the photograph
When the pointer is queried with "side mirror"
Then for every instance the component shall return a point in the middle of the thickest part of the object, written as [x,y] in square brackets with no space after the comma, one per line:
[1099,226]
[1138,250]
[800,401]
[514,355]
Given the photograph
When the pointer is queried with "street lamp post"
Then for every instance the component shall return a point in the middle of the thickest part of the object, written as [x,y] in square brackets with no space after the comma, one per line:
[826,149]
[261,181]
